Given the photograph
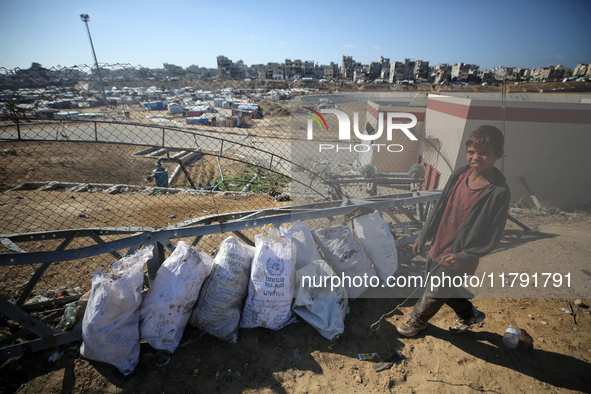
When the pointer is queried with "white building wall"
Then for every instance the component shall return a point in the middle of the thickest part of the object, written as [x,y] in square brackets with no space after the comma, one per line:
[546,143]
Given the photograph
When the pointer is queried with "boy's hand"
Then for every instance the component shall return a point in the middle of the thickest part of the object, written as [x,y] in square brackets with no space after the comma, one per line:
[417,249]
[451,260]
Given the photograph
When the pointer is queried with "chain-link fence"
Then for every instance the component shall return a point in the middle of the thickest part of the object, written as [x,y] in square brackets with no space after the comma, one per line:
[89,158]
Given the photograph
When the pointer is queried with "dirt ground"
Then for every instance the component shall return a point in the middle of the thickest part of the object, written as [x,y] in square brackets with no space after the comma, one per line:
[553,356]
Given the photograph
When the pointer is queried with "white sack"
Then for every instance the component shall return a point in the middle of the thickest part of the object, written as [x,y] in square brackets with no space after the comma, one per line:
[346,257]
[220,301]
[377,242]
[303,245]
[317,302]
[168,303]
[110,326]
[270,290]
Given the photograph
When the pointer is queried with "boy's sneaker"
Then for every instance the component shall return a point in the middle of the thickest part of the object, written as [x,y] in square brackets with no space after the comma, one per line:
[411,327]
[461,325]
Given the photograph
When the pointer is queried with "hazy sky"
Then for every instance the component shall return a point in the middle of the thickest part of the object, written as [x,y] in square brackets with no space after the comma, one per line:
[520,33]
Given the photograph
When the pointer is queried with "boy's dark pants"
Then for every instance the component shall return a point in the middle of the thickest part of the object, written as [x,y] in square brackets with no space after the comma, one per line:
[435,297]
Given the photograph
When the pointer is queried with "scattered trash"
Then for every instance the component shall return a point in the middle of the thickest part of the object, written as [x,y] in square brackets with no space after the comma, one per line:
[390,361]
[367,356]
[511,336]
[55,356]
[40,297]
[564,310]
[161,358]
[192,341]
[580,303]
[69,319]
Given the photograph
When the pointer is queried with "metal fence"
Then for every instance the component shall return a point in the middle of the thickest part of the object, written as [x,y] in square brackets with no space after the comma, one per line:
[90,170]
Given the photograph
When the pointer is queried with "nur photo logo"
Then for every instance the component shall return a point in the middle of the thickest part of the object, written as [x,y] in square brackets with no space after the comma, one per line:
[392,120]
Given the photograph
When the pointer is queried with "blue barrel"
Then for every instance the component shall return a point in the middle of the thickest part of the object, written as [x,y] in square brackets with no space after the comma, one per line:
[160,175]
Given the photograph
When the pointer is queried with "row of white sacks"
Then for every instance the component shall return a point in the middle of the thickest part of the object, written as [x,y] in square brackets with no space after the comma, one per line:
[243,286]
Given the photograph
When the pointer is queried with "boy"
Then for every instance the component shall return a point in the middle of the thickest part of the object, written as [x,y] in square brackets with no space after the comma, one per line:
[465,224]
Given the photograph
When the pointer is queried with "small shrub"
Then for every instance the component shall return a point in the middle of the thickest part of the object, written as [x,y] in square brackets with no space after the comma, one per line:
[550,210]
[521,203]
[266,180]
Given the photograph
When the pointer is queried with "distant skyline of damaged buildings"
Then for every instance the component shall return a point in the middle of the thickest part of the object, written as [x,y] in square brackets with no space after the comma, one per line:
[381,71]
[393,72]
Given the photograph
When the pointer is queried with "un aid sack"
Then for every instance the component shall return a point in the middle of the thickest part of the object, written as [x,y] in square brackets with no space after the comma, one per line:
[110,326]
[304,247]
[168,304]
[221,299]
[270,289]
[377,241]
[346,257]
[320,301]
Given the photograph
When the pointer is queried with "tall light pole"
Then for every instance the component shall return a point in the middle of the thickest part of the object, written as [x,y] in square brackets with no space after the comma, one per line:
[85,18]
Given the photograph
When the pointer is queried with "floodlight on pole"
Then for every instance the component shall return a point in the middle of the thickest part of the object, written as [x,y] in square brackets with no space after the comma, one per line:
[86,18]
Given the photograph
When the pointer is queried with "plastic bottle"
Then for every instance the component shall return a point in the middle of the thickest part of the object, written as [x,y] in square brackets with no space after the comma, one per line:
[274,233]
[69,318]
[511,336]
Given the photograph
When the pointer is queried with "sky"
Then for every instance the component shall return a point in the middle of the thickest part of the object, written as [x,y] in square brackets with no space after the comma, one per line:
[492,33]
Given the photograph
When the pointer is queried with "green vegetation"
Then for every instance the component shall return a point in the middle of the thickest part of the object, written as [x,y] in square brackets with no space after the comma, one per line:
[521,203]
[544,210]
[550,210]
[263,181]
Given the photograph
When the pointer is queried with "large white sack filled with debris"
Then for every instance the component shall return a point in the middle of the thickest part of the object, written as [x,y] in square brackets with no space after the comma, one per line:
[270,290]
[378,243]
[168,304]
[110,326]
[346,257]
[221,299]
[321,301]
[304,247]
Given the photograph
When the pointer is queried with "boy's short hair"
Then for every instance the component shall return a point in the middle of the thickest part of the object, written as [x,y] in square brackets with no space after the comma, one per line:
[487,135]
